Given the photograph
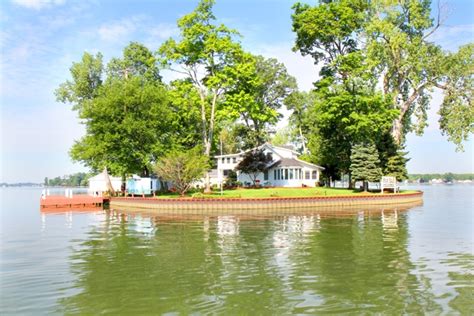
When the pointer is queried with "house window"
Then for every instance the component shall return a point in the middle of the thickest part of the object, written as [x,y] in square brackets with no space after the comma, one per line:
[291,174]
[274,174]
[265,175]
[228,160]
[307,174]
[234,160]
[315,174]
[286,174]
[226,172]
[223,160]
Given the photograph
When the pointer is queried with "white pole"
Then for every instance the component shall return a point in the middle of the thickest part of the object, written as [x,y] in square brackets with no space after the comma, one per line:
[47,191]
[66,192]
[43,195]
[70,193]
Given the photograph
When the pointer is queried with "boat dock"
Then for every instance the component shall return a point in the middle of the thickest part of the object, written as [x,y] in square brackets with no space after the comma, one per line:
[77,201]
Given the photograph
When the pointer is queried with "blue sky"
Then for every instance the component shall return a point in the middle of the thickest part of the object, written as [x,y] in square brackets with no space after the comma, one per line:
[40,39]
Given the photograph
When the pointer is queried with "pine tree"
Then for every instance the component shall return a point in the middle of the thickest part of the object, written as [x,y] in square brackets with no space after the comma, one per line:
[396,166]
[365,164]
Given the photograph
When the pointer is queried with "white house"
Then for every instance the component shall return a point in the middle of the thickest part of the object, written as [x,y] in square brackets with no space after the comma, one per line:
[285,170]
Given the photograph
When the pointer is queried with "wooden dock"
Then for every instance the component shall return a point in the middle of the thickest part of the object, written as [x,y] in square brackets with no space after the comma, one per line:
[77,201]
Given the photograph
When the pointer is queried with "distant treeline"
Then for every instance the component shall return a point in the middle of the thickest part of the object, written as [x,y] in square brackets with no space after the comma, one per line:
[20,184]
[447,177]
[73,180]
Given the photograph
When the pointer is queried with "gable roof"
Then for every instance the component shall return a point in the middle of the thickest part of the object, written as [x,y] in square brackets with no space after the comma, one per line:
[267,145]
[292,162]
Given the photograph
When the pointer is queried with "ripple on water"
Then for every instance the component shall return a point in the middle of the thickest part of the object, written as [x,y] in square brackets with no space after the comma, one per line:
[128,263]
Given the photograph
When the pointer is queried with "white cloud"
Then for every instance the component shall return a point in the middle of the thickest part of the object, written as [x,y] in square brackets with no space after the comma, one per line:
[163,31]
[37,4]
[450,37]
[117,31]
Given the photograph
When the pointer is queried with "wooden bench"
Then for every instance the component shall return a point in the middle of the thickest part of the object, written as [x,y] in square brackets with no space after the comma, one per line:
[389,183]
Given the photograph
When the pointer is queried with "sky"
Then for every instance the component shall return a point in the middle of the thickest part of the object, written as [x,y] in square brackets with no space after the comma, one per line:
[40,39]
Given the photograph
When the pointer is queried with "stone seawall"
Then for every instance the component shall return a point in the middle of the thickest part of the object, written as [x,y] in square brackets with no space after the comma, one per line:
[195,205]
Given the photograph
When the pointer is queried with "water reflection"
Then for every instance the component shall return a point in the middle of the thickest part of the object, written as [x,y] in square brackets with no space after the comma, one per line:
[310,263]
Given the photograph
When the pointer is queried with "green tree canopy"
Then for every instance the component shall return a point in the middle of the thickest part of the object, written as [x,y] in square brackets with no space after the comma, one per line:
[299,103]
[389,42]
[262,84]
[340,118]
[396,166]
[206,54]
[126,114]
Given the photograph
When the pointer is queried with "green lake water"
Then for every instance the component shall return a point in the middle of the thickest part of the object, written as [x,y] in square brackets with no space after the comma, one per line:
[414,262]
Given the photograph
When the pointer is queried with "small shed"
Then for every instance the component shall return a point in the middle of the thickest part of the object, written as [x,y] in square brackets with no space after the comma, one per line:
[139,185]
[98,183]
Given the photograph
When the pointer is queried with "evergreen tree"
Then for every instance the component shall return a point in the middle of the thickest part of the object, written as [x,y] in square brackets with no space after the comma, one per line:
[396,166]
[365,164]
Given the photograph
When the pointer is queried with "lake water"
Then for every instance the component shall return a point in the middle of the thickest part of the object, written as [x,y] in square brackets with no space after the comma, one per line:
[419,261]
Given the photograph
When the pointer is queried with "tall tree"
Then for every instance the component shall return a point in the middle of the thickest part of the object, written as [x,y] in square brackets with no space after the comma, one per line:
[262,84]
[327,32]
[457,109]
[396,166]
[205,54]
[392,40]
[126,113]
[410,66]
[340,118]
[299,102]
[365,164]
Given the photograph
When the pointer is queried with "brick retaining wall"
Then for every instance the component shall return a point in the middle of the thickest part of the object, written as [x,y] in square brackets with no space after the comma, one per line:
[194,205]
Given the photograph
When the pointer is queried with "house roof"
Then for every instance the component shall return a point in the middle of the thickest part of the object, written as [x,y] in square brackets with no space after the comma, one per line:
[289,147]
[268,145]
[292,162]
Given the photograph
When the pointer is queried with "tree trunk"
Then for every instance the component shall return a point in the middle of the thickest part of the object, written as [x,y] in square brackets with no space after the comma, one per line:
[366,185]
[305,150]
[163,186]
[397,130]
[207,189]
[123,187]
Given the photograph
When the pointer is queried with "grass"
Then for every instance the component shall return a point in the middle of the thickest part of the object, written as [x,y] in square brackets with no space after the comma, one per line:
[274,192]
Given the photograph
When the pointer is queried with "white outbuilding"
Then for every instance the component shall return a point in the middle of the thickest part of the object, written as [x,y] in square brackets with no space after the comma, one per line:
[98,183]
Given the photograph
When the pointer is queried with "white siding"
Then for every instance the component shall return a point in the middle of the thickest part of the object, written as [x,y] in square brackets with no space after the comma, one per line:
[98,185]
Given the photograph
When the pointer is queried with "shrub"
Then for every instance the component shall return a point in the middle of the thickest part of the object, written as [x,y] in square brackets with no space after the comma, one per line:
[182,168]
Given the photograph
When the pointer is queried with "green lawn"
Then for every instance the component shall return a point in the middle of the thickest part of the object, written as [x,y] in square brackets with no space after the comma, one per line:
[274,192]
